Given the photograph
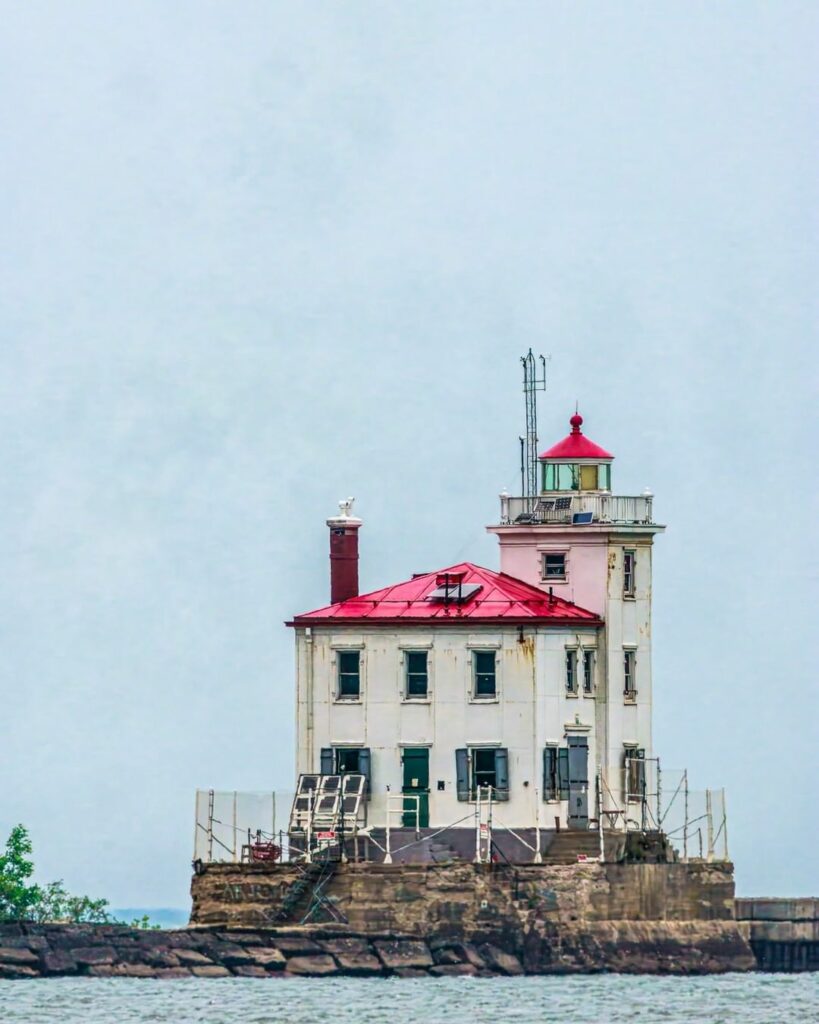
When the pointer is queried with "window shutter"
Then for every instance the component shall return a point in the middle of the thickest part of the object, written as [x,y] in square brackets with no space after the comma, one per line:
[502,774]
[563,772]
[462,772]
[365,766]
[549,772]
[327,761]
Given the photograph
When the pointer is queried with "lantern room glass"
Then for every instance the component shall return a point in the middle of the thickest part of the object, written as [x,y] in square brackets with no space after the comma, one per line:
[564,476]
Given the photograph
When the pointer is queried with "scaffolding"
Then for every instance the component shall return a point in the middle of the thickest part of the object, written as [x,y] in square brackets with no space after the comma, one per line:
[231,824]
[644,797]
[327,819]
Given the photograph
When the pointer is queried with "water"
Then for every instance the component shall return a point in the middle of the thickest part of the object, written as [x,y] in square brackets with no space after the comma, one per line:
[597,999]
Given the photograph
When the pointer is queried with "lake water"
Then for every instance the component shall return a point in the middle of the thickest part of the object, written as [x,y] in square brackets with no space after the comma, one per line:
[596,999]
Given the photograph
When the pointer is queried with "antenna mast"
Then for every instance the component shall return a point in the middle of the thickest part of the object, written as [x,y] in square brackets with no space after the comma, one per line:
[532,383]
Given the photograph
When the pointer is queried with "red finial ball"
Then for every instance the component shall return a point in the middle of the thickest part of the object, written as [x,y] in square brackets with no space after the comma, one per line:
[576,422]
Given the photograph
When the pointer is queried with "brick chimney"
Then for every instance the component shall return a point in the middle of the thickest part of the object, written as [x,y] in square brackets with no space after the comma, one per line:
[344,552]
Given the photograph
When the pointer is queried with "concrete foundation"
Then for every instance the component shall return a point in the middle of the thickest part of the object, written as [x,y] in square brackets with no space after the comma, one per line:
[674,918]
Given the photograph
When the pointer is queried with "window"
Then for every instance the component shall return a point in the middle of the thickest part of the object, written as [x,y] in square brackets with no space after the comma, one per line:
[629,562]
[588,671]
[629,674]
[485,769]
[346,761]
[415,670]
[562,477]
[634,774]
[588,478]
[349,674]
[554,566]
[483,663]
[571,671]
[555,773]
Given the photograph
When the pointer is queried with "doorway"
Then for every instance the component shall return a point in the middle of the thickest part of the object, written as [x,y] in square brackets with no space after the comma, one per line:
[416,783]
[578,782]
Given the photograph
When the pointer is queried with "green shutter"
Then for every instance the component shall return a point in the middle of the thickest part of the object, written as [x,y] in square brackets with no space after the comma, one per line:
[563,772]
[365,767]
[462,773]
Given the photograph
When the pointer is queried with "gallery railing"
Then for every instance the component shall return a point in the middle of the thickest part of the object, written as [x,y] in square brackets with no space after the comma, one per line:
[564,508]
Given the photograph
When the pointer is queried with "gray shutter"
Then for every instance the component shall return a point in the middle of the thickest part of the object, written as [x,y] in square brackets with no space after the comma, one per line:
[462,772]
[365,766]
[563,772]
[502,774]
[327,761]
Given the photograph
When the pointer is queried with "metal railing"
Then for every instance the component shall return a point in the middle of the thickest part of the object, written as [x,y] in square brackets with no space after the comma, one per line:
[604,508]
[643,797]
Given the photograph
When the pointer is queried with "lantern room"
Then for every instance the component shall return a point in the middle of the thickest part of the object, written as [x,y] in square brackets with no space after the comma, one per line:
[575,463]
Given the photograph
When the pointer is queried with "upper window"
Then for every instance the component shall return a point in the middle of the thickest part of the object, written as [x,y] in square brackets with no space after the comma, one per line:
[588,671]
[571,671]
[630,674]
[349,674]
[417,676]
[485,677]
[554,565]
[629,563]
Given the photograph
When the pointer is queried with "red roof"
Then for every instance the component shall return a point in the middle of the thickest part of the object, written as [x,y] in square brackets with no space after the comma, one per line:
[576,445]
[499,598]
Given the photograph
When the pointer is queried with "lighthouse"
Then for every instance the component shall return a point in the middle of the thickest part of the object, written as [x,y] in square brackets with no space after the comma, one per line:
[528,687]
[579,541]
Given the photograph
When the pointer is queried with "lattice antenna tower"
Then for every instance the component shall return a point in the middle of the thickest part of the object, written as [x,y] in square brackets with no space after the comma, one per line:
[534,380]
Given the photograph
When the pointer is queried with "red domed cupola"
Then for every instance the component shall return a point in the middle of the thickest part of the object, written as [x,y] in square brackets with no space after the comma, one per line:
[576,463]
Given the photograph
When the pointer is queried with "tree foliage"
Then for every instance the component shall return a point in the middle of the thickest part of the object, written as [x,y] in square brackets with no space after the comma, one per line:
[58,905]
[20,901]
[17,898]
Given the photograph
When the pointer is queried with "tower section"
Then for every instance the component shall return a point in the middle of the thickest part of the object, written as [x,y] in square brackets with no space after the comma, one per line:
[581,542]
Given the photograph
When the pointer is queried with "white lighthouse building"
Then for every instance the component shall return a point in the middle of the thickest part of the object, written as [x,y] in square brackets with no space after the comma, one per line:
[531,684]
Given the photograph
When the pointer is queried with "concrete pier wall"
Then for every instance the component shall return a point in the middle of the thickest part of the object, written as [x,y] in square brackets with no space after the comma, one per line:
[783,933]
[674,918]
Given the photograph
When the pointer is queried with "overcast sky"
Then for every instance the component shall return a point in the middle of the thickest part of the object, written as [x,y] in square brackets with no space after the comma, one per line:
[259,256]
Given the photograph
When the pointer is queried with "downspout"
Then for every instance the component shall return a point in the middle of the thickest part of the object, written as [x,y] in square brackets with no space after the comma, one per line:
[536,744]
[602,712]
[308,687]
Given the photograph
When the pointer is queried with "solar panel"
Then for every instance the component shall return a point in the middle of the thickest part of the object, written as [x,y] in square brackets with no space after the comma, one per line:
[323,802]
[581,518]
[353,785]
[459,593]
[561,504]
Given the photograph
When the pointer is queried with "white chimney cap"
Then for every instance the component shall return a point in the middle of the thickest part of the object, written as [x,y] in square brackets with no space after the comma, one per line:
[345,515]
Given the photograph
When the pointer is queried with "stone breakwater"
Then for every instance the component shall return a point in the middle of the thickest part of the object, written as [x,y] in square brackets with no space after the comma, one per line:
[408,920]
[107,951]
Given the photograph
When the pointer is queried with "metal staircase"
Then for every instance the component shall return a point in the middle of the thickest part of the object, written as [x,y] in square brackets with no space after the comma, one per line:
[309,888]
